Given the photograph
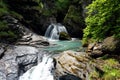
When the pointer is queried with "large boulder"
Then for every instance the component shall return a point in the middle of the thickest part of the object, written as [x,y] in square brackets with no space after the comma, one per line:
[111,45]
[71,64]
[95,50]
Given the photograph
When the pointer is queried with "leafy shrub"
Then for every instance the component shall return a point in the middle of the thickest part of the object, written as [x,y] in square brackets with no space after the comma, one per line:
[102,20]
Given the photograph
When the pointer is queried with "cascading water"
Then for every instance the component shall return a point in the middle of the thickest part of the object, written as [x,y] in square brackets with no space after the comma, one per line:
[54,30]
[43,71]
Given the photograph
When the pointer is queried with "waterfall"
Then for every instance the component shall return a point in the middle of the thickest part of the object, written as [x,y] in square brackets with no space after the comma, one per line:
[43,71]
[54,30]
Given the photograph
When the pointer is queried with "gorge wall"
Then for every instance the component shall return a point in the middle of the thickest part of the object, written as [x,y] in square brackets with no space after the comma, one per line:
[37,14]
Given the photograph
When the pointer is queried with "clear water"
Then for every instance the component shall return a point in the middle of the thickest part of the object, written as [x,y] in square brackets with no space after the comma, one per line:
[64,45]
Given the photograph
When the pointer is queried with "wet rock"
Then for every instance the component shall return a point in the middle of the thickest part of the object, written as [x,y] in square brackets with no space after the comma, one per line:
[26,57]
[3,48]
[64,36]
[17,60]
[75,63]
[1,52]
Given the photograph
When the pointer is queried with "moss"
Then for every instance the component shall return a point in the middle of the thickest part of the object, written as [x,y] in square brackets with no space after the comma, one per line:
[73,14]
[64,36]
[110,71]
[94,75]
[112,74]
[47,12]
[6,33]
[111,62]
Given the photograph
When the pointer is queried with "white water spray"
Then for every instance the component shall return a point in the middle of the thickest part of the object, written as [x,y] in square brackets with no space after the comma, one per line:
[43,71]
[54,30]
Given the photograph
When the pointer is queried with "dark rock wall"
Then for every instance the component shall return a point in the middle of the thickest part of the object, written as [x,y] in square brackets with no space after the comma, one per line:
[37,14]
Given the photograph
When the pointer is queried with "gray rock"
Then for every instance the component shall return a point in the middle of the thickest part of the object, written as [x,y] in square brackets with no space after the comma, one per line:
[3,48]
[17,60]
[1,52]
[2,70]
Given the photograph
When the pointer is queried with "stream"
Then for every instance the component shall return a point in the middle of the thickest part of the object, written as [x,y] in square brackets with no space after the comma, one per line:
[45,69]
[59,46]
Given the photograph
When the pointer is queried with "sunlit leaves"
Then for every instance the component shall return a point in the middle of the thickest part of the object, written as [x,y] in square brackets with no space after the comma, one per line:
[103,19]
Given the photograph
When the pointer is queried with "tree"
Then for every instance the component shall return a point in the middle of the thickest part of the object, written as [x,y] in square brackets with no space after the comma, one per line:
[102,20]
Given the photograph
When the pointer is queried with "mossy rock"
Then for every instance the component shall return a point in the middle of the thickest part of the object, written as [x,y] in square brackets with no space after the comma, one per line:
[111,45]
[64,36]
[107,69]
[10,29]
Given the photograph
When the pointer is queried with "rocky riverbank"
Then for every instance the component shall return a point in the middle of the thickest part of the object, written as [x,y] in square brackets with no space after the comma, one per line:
[101,61]
[18,57]
[98,62]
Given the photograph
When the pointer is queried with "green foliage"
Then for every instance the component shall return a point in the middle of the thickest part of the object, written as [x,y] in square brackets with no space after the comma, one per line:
[94,75]
[102,20]
[62,4]
[5,11]
[6,34]
[64,36]
[73,15]
[113,74]
[110,71]
[3,26]
[47,12]
[3,8]
[9,35]
[16,15]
